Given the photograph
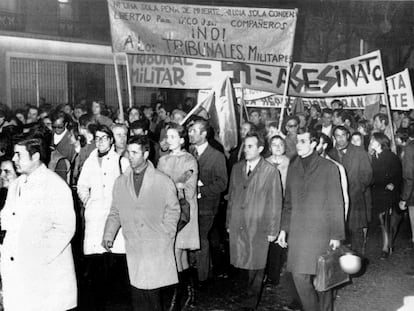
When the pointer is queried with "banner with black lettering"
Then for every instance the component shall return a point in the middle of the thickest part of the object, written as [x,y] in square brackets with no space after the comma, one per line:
[355,76]
[400,92]
[238,34]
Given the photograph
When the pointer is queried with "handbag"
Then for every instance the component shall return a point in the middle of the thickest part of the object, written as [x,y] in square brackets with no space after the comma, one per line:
[329,273]
[185,213]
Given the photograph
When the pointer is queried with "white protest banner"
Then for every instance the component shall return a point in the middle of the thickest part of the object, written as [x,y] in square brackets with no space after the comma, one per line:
[275,101]
[246,35]
[175,72]
[356,76]
[400,92]
[261,99]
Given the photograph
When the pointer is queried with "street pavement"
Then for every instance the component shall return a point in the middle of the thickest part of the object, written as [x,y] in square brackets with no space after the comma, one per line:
[381,286]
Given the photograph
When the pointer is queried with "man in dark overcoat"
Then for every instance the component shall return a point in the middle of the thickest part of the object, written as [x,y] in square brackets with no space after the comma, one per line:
[212,181]
[253,214]
[407,193]
[359,172]
[312,218]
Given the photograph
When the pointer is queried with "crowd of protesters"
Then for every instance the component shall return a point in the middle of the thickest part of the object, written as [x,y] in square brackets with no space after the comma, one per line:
[322,178]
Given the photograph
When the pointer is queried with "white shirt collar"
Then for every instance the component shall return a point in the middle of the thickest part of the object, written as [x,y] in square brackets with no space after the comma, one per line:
[251,165]
[58,137]
[201,148]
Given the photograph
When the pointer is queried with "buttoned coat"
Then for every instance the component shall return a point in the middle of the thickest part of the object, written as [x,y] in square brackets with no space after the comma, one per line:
[37,267]
[213,174]
[359,173]
[253,213]
[174,166]
[313,212]
[149,224]
[95,186]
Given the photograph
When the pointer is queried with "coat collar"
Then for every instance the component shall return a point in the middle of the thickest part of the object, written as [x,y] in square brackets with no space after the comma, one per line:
[147,181]
[256,168]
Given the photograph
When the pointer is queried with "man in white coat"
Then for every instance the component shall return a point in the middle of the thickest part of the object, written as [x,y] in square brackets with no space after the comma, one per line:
[37,264]
[145,205]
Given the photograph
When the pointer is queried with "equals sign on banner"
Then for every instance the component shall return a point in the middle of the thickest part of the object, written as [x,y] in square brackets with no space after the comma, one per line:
[203,70]
[263,75]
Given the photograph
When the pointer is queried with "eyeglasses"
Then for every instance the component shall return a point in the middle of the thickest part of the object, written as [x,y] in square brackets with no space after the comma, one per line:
[292,125]
[102,139]
[58,126]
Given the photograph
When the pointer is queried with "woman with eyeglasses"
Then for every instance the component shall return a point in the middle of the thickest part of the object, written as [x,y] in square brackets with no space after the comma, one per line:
[95,185]
[181,166]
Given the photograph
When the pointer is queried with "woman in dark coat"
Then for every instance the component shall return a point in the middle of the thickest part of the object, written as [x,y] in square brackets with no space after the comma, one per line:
[387,177]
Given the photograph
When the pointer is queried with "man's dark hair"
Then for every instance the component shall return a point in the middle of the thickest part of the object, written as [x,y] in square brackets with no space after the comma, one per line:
[85,120]
[35,145]
[205,126]
[411,131]
[164,106]
[382,117]
[255,110]
[141,140]
[383,140]
[341,128]
[81,107]
[345,115]
[260,139]
[317,108]
[60,115]
[292,117]
[143,124]
[313,136]
[327,111]
[104,129]
[325,140]
[274,124]
[32,107]
[5,144]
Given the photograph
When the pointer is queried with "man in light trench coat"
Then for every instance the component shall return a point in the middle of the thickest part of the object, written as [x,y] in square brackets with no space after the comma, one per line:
[37,267]
[145,205]
[253,214]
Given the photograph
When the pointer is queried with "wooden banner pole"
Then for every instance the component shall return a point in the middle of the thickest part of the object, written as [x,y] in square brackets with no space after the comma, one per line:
[119,91]
[130,94]
[284,98]
[387,104]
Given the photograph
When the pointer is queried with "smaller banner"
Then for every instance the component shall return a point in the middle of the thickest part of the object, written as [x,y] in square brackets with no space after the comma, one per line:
[258,99]
[400,93]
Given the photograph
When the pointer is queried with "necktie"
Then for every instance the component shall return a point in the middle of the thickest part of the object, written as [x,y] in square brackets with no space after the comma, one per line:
[249,171]
[195,153]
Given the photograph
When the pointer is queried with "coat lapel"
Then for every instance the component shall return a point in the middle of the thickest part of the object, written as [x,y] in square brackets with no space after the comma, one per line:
[147,184]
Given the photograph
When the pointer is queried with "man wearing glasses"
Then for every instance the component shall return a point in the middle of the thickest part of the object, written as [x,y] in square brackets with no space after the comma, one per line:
[61,136]
[95,184]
